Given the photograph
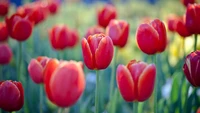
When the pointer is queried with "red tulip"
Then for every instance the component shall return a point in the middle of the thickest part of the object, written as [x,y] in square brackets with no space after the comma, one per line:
[198,110]
[104,15]
[118,30]
[36,68]
[94,30]
[11,96]
[191,68]
[19,28]
[151,38]
[3,32]
[62,37]
[53,6]
[5,54]
[181,28]
[4,7]
[97,51]
[186,2]
[35,12]
[136,80]
[192,18]
[172,22]
[66,82]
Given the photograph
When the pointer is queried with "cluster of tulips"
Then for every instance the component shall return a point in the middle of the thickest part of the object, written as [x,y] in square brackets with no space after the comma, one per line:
[64,81]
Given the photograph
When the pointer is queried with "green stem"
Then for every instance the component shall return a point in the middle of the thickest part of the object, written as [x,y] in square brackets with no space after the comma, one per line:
[195,42]
[186,98]
[97,93]
[156,90]
[113,73]
[19,61]
[135,107]
[41,98]
[60,110]
[183,47]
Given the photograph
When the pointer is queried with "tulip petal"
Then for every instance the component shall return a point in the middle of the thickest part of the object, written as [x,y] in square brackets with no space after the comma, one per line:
[67,84]
[48,70]
[104,53]
[87,54]
[125,84]
[146,82]
[20,103]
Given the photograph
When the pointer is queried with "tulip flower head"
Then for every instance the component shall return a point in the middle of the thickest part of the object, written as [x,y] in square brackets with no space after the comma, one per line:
[172,22]
[151,38]
[4,7]
[118,30]
[97,51]
[64,82]
[181,28]
[5,54]
[94,30]
[3,32]
[136,80]
[104,15]
[192,18]
[62,37]
[19,28]
[191,68]
[11,96]
[187,2]
[36,68]
[53,6]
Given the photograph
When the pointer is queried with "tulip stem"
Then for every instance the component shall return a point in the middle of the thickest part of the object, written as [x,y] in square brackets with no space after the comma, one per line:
[41,98]
[195,42]
[60,110]
[19,61]
[186,98]
[156,89]
[113,73]
[97,92]
[1,72]
[135,107]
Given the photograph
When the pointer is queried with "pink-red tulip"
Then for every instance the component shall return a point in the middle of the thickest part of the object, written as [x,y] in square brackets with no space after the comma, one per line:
[136,80]
[3,32]
[118,30]
[172,22]
[191,68]
[192,18]
[97,51]
[4,7]
[186,2]
[94,30]
[11,96]
[62,37]
[181,28]
[5,54]
[151,38]
[65,83]
[19,27]
[104,15]
[36,68]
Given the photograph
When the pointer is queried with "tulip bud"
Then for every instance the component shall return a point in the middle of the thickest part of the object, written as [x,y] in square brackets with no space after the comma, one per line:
[118,30]
[62,37]
[136,80]
[53,6]
[191,68]
[11,96]
[186,2]
[172,22]
[5,54]
[4,7]
[94,30]
[36,67]
[3,32]
[192,18]
[65,82]
[151,38]
[19,28]
[104,15]
[97,51]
